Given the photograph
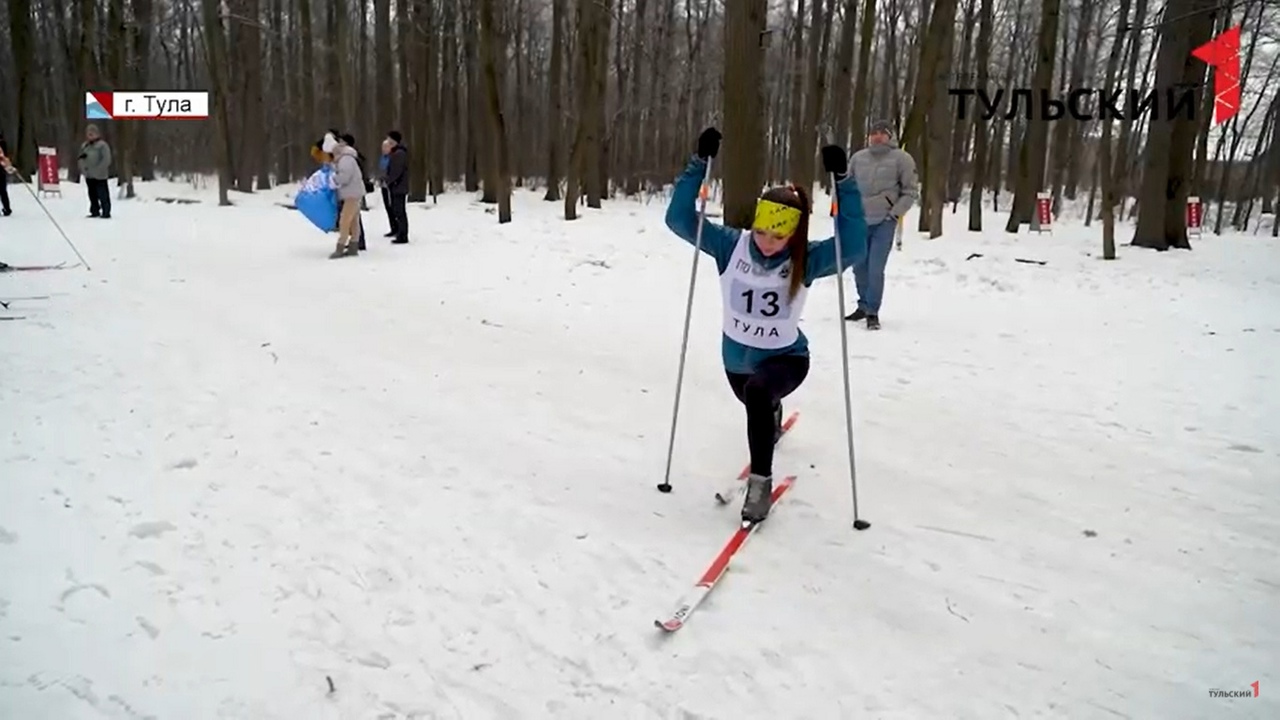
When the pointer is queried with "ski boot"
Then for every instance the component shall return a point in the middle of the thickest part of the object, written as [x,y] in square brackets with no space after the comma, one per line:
[759,498]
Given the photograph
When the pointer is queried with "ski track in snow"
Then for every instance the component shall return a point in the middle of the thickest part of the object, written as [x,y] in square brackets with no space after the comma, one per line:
[235,471]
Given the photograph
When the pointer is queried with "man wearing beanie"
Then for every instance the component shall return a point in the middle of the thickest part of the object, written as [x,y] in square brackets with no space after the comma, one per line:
[395,180]
[95,167]
[886,176]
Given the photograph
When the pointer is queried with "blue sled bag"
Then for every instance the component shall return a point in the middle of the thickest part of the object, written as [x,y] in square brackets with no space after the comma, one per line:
[317,200]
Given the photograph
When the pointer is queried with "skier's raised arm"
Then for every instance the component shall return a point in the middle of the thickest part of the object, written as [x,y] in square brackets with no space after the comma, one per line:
[850,221]
[718,241]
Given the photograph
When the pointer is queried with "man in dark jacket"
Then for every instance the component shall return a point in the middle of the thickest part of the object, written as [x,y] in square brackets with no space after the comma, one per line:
[396,180]
[5,168]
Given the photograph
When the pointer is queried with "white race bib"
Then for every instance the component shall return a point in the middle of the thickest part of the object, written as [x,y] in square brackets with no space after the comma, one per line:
[758,311]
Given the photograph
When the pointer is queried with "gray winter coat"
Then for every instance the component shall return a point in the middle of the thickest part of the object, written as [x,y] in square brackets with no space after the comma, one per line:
[346,173]
[887,179]
[95,159]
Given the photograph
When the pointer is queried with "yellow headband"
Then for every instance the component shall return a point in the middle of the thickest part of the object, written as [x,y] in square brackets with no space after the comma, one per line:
[776,218]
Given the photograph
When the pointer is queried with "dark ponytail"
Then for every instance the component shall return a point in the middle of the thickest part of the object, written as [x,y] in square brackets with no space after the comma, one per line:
[798,244]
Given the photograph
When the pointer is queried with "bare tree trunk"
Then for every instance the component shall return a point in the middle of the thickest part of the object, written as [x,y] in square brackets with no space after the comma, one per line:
[384,70]
[1105,168]
[817,86]
[663,135]
[795,165]
[521,116]
[1124,152]
[843,80]
[862,94]
[981,151]
[216,62]
[24,57]
[282,83]
[1063,132]
[1253,182]
[249,145]
[631,128]
[940,117]
[117,51]
[1031,156]
[309,104]
[555,106]
[1205,119]
[585,155]
[143,30]
[1243,198]
[492,47]
[1162,220]
[960,130]
[409,15]
[743,168]
[597,174]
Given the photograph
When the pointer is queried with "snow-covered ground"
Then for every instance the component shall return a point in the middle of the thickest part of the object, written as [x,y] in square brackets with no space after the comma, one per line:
[233,471]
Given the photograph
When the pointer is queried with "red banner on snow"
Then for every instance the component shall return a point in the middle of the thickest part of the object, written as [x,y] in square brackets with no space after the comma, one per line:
[48,178]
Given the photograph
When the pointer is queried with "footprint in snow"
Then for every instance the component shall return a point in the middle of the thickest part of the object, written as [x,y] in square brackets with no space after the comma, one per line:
[152,529]
[375,660]
[80,587]
[151,567]
[147,627]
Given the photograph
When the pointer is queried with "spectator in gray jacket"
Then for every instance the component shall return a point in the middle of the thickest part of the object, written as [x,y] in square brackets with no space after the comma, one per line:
[887,179]
[350,141]
[95,166]
[350,187]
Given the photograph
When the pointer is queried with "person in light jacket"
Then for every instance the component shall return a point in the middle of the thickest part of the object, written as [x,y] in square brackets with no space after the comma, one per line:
[350,140]
[95,166]
[350,186]
[886,176]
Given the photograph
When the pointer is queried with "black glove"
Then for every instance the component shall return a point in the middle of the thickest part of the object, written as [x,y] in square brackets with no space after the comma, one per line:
[834,160]
[709,143]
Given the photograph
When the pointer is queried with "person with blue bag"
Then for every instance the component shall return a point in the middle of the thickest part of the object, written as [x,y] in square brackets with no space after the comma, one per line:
[317,197]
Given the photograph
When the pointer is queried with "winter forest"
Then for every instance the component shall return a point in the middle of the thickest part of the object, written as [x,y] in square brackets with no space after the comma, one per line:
[588,100]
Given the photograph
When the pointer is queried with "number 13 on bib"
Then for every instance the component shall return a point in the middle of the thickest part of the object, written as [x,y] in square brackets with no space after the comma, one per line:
[759,311]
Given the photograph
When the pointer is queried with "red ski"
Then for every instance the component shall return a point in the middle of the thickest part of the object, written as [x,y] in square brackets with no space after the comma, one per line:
[690,602]
[726,494]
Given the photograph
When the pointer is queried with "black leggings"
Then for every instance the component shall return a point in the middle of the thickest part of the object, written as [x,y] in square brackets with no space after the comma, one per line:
[761,392]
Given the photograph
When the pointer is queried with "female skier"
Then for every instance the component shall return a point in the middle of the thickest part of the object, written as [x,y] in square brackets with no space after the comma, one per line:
[765,274]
